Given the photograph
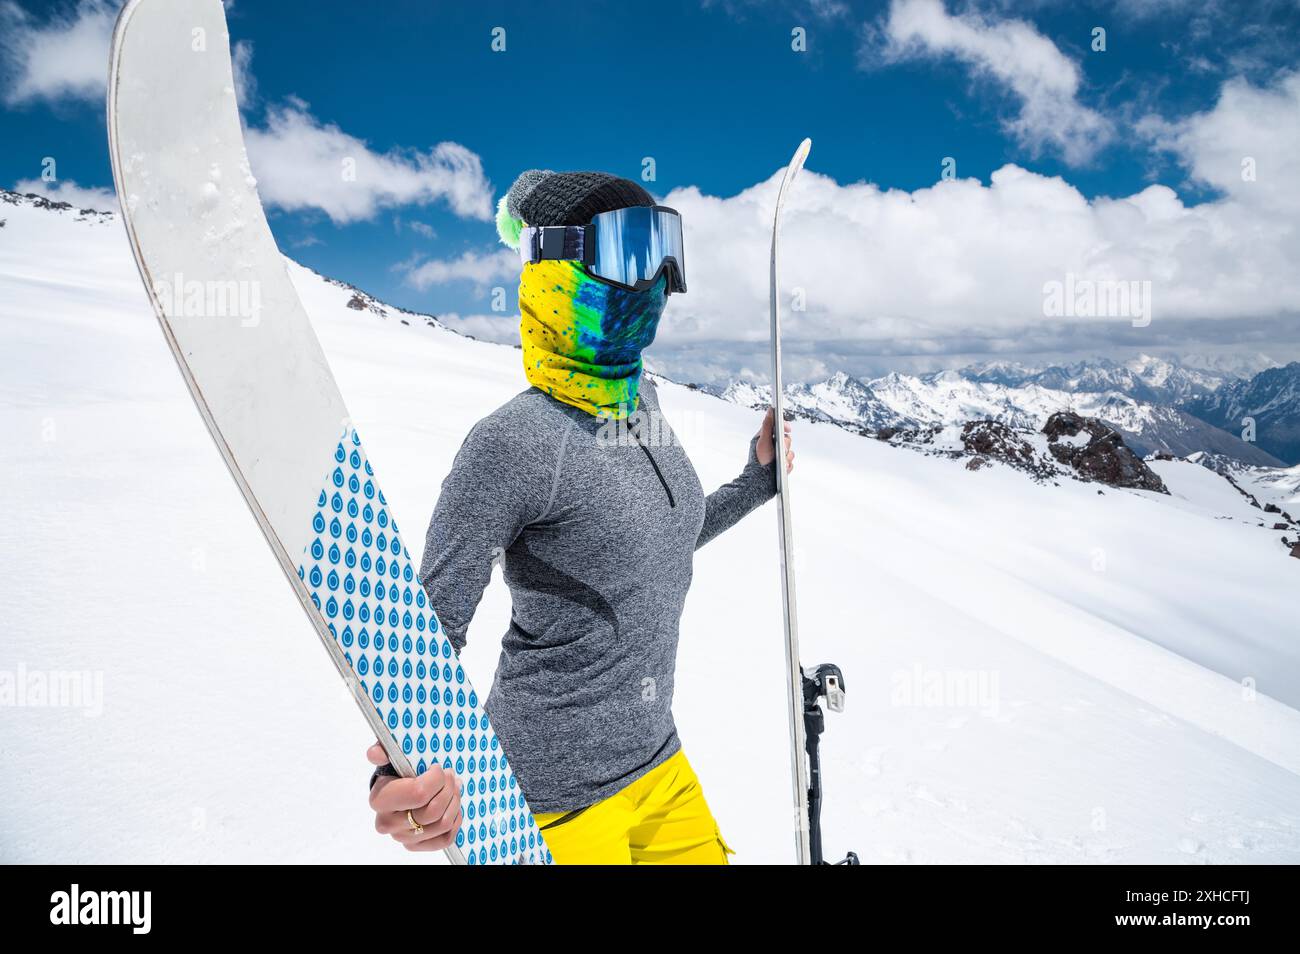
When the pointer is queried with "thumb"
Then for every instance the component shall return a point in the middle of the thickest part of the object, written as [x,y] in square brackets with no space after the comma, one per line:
[376,755]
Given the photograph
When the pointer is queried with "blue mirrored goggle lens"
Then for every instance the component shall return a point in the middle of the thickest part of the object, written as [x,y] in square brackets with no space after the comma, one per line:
[632,244]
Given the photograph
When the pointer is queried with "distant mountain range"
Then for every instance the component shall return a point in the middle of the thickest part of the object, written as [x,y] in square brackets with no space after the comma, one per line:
[1157,404]
[1270,399]
[1144,378]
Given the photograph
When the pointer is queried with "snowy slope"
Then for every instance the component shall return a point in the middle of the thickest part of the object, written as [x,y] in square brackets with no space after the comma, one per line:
[1279,486]
[1036,673]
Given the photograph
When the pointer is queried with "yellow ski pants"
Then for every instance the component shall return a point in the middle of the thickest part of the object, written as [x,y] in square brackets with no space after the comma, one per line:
[660,819]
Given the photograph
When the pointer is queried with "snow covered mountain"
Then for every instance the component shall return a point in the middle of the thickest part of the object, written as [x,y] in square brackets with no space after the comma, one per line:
[1020,398]
[1038,672]
[1271,399]
[1230,364]
[840,399]
[1144,378]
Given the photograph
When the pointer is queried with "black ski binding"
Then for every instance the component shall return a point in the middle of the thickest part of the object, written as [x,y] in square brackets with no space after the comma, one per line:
[825,682]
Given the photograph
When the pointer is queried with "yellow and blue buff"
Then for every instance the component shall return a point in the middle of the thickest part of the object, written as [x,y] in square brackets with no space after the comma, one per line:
[583,338]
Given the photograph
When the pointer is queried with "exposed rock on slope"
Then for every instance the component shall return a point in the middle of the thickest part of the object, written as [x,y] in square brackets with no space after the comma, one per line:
[1097,452]
[1068,446]
[985,440]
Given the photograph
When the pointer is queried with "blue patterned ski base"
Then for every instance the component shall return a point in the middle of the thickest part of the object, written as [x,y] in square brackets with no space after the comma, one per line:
[361,579]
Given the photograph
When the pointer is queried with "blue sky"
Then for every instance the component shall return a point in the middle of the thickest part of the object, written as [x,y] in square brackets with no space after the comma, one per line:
[716,95]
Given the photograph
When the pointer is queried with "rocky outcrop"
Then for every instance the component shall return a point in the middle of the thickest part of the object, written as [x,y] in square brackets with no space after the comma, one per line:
[1074,446]
[909,436]
[997,441]
[359,302]
[51,205]
[1095,451]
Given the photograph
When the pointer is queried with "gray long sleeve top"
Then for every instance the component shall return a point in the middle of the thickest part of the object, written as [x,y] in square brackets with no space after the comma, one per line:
[596,529]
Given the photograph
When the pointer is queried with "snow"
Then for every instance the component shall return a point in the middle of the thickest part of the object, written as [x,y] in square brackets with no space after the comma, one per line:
[1276,485]
[1035,672]
[1279,486]
[1203,488]
[1080,439]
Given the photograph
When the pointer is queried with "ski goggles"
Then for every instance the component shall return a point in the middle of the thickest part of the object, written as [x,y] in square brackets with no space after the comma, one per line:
[629,247]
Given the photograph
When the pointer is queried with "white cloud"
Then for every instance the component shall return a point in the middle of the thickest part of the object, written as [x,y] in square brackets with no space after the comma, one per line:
[1144,9]
[303,163]
[80,197]
[1248,125]
[821,9]
[66,58]
[829,9]
[1012,54]
[959,267]
[497,267]
[241,65]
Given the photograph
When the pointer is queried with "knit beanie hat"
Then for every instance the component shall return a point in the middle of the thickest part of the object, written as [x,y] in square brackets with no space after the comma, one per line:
[541,197]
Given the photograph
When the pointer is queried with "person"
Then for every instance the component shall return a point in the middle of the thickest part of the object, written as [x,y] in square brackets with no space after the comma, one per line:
[583,488]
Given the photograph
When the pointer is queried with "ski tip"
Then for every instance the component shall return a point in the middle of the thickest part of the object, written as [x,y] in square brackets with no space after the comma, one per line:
[800,156]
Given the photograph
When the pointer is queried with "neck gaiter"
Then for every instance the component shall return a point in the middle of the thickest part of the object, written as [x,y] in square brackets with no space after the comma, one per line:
[583,338]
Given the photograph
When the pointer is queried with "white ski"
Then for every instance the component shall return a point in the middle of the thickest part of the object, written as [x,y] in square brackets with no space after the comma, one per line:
[264,388]
[794,676]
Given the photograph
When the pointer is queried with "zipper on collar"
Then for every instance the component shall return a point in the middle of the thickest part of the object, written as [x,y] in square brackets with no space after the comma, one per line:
[672,502]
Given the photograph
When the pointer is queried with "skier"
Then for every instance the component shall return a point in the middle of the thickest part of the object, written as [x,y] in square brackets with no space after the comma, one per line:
[584,490]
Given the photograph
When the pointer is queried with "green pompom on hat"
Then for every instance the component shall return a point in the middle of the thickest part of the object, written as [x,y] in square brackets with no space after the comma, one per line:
[508,227]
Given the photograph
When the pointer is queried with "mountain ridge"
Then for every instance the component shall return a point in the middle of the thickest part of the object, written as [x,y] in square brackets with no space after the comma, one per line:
[1122,395]
[1268,404]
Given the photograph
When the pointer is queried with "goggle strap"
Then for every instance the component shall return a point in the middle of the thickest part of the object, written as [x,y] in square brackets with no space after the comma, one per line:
[554,243]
